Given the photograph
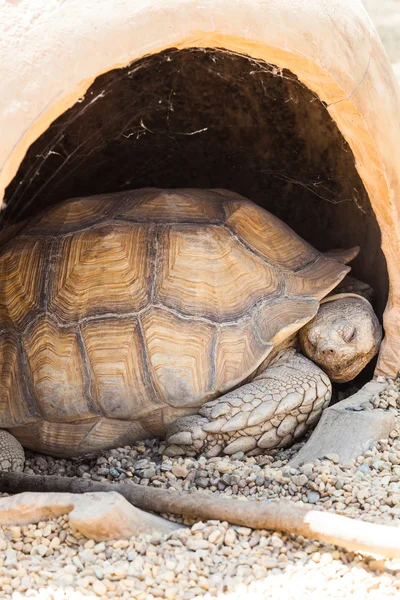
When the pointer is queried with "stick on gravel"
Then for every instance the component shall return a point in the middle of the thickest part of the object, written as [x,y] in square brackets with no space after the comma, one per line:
[279,516]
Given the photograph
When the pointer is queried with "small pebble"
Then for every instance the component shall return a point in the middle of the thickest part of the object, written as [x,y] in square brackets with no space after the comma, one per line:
[99,588]
[313,497]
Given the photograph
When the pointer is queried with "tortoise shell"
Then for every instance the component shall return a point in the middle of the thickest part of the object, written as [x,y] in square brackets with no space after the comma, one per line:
[120,312]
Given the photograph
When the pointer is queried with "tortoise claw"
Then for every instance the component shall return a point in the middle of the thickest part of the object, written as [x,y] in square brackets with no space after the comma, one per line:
[185,435]
[183,438]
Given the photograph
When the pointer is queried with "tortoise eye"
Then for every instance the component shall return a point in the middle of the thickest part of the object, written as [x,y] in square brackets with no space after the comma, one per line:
[349,334]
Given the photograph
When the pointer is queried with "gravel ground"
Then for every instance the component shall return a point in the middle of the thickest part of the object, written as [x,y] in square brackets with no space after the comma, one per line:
[212,559]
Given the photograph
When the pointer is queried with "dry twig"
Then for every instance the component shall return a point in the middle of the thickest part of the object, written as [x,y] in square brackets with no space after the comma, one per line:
[279,516]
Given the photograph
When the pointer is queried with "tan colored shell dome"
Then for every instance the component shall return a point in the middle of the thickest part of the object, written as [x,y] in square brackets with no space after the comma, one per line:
[119,312]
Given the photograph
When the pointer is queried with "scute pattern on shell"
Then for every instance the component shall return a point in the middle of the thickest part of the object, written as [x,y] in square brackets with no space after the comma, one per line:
[121,312]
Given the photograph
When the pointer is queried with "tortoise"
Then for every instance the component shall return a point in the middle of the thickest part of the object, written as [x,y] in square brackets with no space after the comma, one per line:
[170,313]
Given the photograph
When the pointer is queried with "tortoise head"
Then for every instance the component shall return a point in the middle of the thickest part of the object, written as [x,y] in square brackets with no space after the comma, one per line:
[343,337]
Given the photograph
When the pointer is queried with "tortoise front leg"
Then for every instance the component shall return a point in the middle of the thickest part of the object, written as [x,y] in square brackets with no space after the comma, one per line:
[12,456]
[271,411]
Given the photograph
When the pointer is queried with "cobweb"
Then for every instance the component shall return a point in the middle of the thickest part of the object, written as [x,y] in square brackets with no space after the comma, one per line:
[213,96]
